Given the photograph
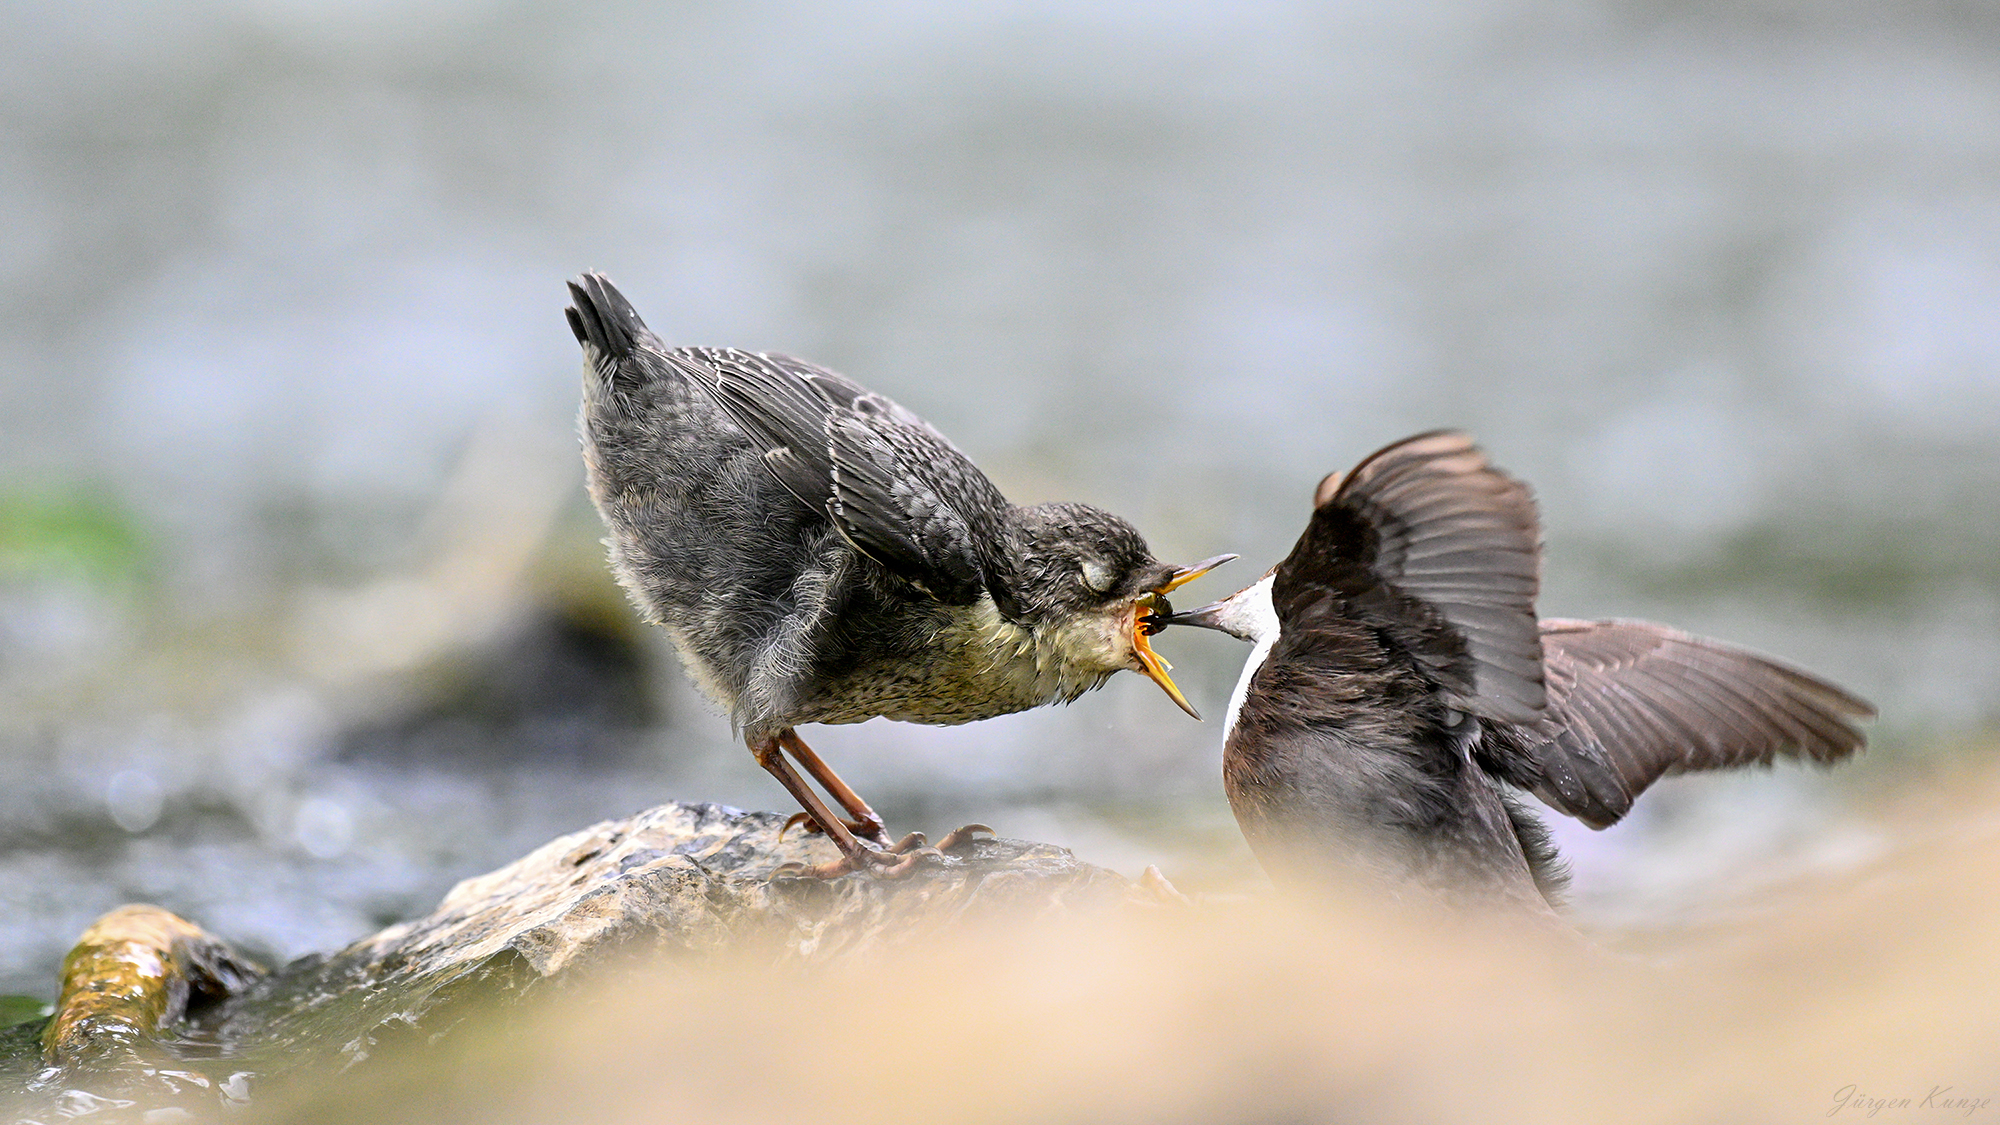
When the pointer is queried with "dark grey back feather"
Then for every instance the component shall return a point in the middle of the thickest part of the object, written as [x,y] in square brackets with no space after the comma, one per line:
[895,488]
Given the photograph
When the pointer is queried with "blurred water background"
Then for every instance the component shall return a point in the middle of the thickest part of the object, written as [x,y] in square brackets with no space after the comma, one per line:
[303,614]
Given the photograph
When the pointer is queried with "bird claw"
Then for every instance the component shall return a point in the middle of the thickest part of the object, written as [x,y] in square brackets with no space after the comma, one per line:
[882,859]
[875,833]
[907,863]
[896,862]
[963,835]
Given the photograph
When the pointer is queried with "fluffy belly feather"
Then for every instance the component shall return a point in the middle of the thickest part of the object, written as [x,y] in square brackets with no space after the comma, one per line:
[977,665]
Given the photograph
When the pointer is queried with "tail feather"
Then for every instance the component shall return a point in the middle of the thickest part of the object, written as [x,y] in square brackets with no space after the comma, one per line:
[606,324]
[1545,864]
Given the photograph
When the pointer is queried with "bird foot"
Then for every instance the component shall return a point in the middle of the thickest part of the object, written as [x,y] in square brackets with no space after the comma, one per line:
[874,832]
[963,835]
[891,864]
[891,861]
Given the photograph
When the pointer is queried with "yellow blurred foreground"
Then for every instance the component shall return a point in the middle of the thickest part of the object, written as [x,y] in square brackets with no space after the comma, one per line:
[1873,995]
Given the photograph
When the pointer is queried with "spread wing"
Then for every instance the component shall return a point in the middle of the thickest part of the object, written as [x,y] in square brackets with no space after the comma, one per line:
[1630,701]
[1428,542]
[896,488]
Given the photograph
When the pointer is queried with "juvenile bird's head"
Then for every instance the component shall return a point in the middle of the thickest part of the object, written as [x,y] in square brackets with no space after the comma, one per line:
[1085,582]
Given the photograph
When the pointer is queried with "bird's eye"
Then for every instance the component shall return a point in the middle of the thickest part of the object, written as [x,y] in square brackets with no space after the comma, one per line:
[1097,576]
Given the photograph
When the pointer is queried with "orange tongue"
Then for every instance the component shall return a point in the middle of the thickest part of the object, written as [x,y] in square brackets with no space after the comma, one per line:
[1153,663]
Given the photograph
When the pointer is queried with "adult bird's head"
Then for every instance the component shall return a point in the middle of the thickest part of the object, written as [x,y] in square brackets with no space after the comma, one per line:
[1246,614]
[1085,580]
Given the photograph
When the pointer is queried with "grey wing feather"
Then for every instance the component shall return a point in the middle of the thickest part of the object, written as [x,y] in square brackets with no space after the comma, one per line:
[895,488]
[891,499]
[1631,701]
[1462,537]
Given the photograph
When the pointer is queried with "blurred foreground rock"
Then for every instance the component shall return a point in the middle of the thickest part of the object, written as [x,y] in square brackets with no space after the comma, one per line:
[155,1014]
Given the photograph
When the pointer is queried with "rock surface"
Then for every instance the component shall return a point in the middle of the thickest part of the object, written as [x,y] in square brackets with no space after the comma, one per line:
[132,978]
[155,1013]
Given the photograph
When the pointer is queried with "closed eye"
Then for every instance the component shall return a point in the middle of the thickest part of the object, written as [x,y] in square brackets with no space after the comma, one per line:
[1097,576]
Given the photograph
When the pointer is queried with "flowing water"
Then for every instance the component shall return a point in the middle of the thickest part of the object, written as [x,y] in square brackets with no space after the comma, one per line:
[302,616]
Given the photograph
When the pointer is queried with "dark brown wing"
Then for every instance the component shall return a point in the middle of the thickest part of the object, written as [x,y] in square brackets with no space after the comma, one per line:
[896,488]
[1427,540]
[1630,702]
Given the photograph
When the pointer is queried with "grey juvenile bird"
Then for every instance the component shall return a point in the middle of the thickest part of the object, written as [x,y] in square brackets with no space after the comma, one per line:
[819,554]
[1401,688]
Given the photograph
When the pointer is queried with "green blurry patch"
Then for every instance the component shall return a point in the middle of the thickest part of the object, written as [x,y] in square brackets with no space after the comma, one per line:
[74,533]
[21,1009]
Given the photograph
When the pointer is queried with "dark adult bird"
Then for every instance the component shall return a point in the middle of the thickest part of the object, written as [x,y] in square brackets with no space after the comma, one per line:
[819,554]
[1401,691]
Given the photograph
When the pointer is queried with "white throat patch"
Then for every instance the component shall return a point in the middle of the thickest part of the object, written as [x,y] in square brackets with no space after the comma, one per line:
[1251,612]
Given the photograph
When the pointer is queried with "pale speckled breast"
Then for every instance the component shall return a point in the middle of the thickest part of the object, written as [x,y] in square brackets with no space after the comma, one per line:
[976,666]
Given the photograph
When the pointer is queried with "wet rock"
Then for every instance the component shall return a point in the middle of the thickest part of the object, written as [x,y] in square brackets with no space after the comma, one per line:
[132,977]
[135,981]
[678,881]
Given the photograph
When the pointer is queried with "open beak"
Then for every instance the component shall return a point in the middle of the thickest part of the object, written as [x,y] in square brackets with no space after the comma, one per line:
[1205,617]
[1155,665]
[1187,574]
[1146,621]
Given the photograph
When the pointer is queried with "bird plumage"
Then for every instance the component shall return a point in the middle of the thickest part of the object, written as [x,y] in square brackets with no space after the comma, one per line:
[1631,702]
[818,553]
[1407,690]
